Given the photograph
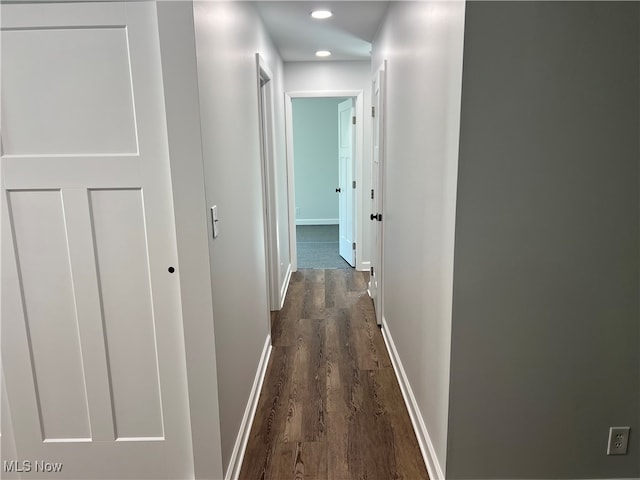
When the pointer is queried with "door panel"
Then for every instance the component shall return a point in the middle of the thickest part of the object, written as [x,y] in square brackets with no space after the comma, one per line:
[40,240]
[129,321]
[346,200]
[91,347]
[70,118]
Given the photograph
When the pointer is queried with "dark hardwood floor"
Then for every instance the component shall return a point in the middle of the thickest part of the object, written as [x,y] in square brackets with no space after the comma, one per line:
[330,406]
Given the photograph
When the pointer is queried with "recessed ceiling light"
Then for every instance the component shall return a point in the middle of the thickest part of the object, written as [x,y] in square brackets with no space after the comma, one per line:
[321,14]
[323,53]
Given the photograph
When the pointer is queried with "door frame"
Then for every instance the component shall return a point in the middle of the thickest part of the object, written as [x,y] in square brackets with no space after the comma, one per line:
[378,249]
[358,95]
[267,167]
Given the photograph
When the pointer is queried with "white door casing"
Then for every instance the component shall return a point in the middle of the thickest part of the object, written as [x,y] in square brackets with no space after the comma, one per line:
[346,202]
[92,344]
[377,191]
[269,192]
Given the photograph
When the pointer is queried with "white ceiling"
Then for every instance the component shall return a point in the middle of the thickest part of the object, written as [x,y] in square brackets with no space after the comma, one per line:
[347,34]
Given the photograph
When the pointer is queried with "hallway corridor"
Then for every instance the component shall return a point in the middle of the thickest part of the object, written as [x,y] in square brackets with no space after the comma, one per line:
[330,406]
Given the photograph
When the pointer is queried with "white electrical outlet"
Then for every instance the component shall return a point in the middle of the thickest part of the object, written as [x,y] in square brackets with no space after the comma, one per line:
[618,440]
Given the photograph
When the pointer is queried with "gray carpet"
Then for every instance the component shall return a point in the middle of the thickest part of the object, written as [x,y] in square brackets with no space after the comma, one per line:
[318,247]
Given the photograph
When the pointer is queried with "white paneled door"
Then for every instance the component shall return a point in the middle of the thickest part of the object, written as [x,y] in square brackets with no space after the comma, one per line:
[92,347]
[346,144]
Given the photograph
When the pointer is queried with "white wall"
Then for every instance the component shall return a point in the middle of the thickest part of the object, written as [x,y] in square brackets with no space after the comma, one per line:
[228,35]
[335,76]
[545,341]
[178,55]
[422,43]
[315,146]
[327,76]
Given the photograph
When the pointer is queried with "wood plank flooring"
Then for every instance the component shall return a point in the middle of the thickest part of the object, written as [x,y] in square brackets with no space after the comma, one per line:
[330,406]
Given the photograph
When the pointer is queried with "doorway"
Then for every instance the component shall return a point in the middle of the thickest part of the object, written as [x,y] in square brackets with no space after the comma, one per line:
[323,150]
[322,146]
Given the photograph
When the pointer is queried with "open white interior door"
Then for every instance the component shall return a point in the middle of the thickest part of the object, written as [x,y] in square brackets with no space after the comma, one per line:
[346,203]
[377,172]
[92,341]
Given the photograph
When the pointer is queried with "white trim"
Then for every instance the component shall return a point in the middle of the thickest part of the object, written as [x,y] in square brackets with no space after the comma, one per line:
[267,159]
[361,118]
[237,455]
[323,93]
[317,221]
[366,266]
[376,289]
[424,441]
[285,286]
[288,128]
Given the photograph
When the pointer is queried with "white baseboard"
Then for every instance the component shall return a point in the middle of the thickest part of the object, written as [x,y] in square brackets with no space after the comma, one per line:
[317,221]
[285,286]
[364,267]
[237,455]
[424,441]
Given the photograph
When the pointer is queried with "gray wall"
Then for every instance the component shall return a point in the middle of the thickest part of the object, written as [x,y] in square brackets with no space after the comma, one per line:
[228,35]
[545,338]
[315,149]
